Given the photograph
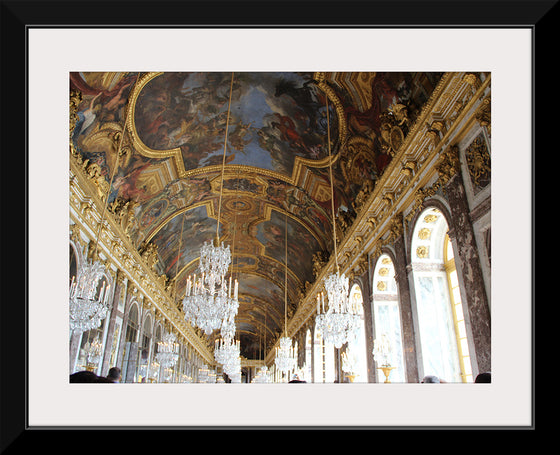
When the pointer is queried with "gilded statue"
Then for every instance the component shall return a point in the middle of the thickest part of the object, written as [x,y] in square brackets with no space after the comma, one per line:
[320,258]
[394,127]
[149,252]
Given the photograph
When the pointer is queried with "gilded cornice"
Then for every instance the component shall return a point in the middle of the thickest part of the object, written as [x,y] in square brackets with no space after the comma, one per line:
[425,154]
[116,246]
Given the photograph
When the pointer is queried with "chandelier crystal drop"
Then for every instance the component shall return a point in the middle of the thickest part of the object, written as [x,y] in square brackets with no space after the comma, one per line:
[340,323]
[286,355]
[87,308]
[168,351]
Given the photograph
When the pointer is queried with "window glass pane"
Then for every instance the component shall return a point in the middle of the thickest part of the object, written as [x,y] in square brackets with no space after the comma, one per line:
[449,250]
[467,365]
[459,312]
[464,345]
[462,330]
[437,331]
[453,279]
[456,295]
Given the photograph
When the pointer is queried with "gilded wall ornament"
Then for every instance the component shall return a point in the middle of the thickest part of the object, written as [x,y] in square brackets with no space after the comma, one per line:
[430,218]
[483,114]
[478,162]
[149,252]
[320,258]
[422,251]
[424,234]
[448,165]
[394,127]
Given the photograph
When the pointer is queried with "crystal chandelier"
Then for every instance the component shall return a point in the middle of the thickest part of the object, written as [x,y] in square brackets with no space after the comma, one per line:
[349,362]
[87,308]
[94,352]
[262,376]
[233,369]
[340,322]
[226,352]
[168,351]
[153,371]
[382,351]
[286,354]
[209,302]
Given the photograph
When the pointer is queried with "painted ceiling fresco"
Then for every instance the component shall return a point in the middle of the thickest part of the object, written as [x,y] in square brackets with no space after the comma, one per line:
[169,171]
[274,117]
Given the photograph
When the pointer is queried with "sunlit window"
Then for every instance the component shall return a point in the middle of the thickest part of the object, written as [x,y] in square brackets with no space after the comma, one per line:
[435,291]
[386,316]
[308,347]
[356,349]
[458,315]
[324,367]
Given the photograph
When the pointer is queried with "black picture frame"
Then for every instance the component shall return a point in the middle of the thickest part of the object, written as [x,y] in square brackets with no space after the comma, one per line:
[18,17]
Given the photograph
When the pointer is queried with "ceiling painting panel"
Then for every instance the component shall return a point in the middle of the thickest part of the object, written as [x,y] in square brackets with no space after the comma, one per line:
[274,118]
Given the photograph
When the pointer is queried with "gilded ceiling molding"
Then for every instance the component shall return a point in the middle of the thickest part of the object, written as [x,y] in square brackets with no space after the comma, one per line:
[131,126]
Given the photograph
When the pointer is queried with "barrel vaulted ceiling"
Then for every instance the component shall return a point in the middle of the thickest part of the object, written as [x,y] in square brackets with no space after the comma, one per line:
[276,176]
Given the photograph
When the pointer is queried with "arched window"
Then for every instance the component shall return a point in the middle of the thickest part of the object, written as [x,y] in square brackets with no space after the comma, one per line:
[356,351]
[386,316]
[308,347]
[130,345]
[155,368]
[324,367]
[458,315]
[144,349]
[436,284]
